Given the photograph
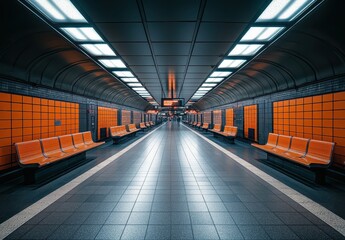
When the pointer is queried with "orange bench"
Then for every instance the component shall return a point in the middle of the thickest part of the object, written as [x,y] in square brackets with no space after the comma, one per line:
[312,154]
[118,132]
[198,125]
[229,132]
[216,128]
[205,126]
[152,123]
[35,154]
[132,128]
[142,126]
[148,124]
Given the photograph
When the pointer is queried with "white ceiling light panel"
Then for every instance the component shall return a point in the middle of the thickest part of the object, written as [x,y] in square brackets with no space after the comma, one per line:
[245,49]
[112,63]
[263,34]
[82,34]
[100,49]
[232,63]
[58,10]
[284,10]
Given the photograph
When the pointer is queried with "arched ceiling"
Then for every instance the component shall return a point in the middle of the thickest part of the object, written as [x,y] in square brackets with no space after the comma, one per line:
[179,39]
[32,52]
[313,50]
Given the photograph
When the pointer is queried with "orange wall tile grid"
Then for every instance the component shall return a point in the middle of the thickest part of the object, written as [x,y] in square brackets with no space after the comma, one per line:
[24,118]
[229,117]
[136,117]
[217,117]
[320,117]
[250,120]
[207,117]
[107,117]
[126,117]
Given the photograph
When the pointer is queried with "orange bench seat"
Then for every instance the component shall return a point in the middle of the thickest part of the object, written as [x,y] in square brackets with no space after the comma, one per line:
[310,153]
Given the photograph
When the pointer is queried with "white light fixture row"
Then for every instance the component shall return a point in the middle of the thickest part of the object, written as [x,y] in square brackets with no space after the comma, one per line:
[58,10]
[261,34]
[100,49]
[278,11]
[284,10]
[63,11]
[82,34]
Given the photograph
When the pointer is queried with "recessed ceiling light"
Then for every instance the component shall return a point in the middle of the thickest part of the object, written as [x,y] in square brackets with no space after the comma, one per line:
[231,63]
[129,79]
[123,73]
[284,10]
[272,10]
[261,33]
[209,85]
[134,84]
[295,9]
[99,49]
[220,74]
[205,88]
[245,49]
[58,10]
[112,63]
[139,89]
[80,34]
[216,80]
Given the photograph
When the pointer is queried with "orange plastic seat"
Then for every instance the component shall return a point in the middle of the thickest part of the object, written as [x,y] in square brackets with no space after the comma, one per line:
[319,153]
[51,148]
[205,126]
[297,149]
[271,142]
[30,153]
[118,131]
[89,141]
[283,144]
[66,143]
[142,125]
[216,128]
[78,141]
[132,128]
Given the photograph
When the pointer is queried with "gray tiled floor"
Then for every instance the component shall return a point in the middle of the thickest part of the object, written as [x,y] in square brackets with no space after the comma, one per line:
[174,185]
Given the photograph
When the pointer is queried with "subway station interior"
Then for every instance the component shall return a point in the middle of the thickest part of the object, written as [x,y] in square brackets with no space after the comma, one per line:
[180,119]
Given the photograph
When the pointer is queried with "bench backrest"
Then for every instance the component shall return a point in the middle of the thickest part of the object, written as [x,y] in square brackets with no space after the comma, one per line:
[299,145]
[234,131]
[216,127]
[78,140]
[28,150]
[66,142]
[227,129]
[283,142]
[272,139]
[117,129]
[51,146]
[132,127]
[87,137]
[320,149]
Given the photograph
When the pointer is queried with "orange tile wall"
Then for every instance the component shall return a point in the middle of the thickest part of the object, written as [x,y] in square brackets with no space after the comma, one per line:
[136,117]
[207,117]
[126,117]
[250,120]
[320,117]
[229,117]
[107,117]
[24,118]
[217,117]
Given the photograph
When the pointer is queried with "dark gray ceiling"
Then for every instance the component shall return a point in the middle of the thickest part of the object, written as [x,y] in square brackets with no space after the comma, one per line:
[313,50]
[185,38]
